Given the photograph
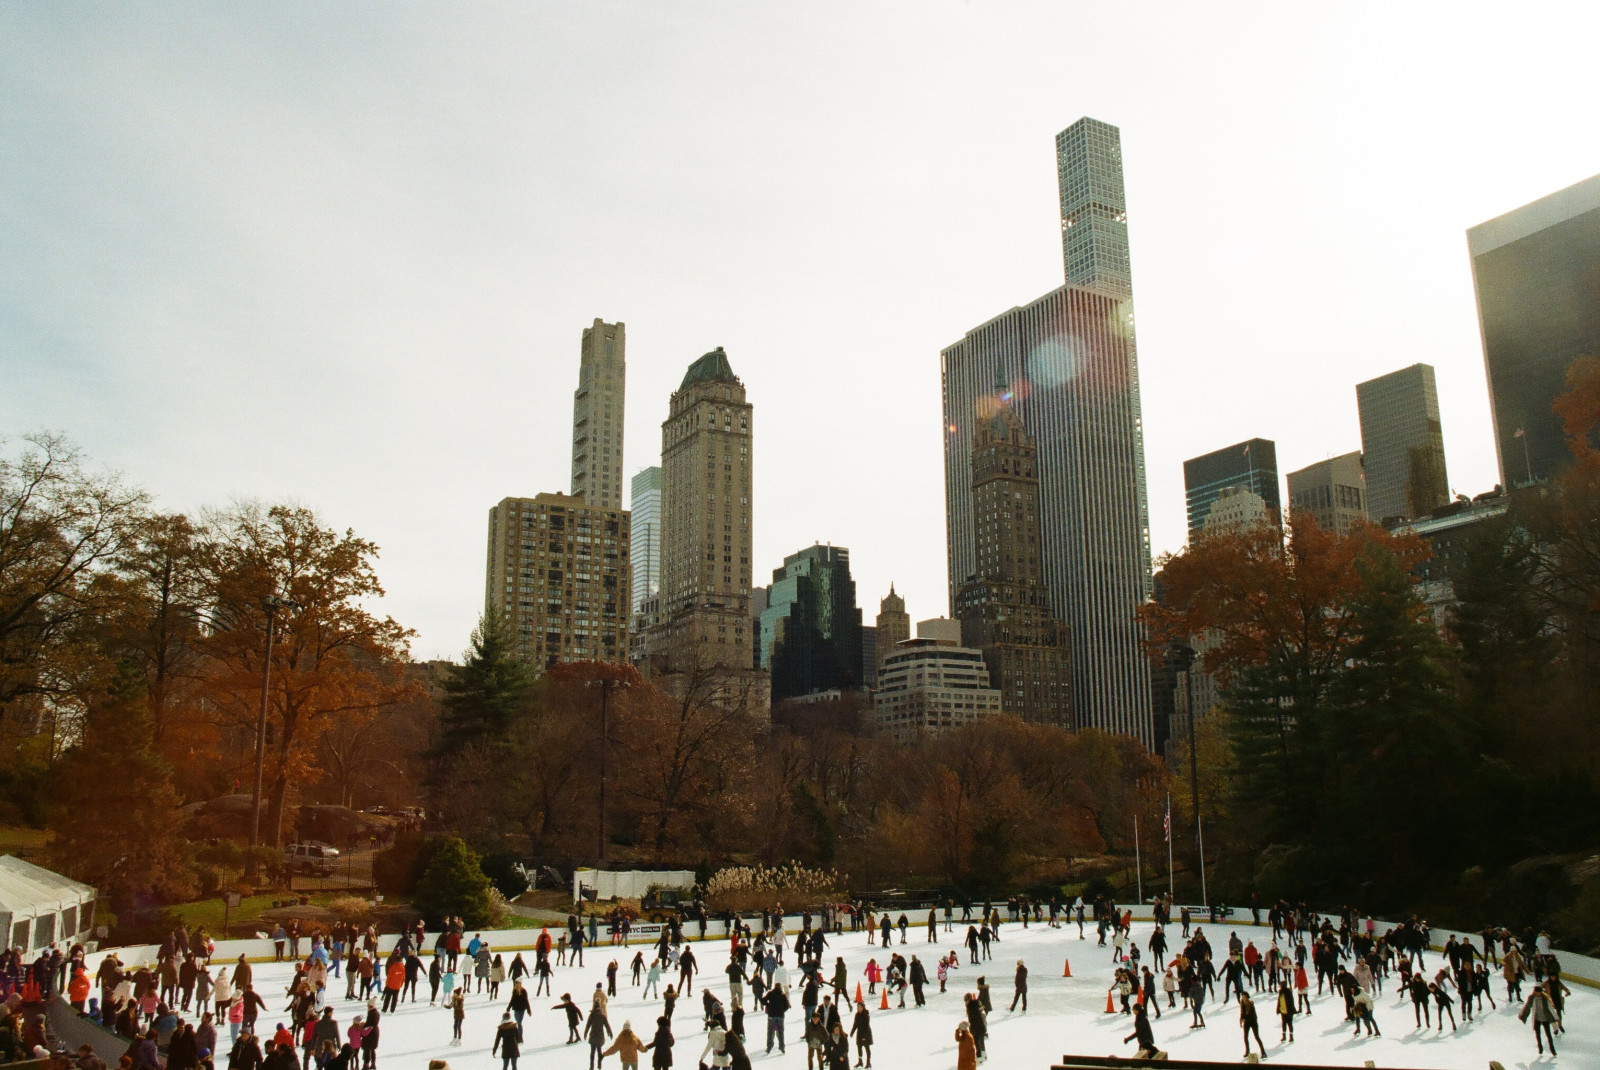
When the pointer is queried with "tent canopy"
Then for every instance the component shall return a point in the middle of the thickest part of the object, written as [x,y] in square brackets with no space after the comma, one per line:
[27,890]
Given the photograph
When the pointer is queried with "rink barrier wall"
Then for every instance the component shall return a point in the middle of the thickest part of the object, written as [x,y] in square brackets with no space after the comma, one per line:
[1581,969]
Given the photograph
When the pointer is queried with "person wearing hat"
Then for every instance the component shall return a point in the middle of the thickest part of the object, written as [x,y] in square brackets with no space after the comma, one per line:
[1020,987]
[506,1043]
[627,1046]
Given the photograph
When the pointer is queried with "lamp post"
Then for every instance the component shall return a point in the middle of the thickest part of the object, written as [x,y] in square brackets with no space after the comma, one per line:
[272,603]
[606,687]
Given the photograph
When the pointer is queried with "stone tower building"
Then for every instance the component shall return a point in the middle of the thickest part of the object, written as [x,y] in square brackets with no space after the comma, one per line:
[706,513]
[894,624]
[1004,608]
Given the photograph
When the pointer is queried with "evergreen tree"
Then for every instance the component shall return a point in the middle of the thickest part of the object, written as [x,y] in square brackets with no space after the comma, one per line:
[1393,752]
[114,807]
[481,695]
[454,884]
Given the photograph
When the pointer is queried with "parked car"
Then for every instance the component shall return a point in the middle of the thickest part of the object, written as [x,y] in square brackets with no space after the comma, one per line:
[311,858]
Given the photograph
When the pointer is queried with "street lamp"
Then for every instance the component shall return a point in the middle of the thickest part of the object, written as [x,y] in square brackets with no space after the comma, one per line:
[606,687]
[271,604]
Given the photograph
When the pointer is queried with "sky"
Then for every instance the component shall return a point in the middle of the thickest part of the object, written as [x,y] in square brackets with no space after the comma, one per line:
[342,254]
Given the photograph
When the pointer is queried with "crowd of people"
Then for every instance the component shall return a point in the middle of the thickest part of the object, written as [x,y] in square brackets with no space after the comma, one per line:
[186,1011]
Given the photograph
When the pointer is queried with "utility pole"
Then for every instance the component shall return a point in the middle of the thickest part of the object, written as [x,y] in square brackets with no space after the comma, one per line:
[272,603]
[606,686]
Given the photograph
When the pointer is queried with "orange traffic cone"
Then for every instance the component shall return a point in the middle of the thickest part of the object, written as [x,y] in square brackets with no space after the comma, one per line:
[858,991]
[1066,970]
[885,1004]
[1111,1008]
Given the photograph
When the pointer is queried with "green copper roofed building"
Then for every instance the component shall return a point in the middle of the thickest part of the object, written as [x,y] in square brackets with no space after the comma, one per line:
[811,628]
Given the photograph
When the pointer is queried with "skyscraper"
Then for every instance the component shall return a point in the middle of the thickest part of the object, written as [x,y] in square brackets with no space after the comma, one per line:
[559,575]
[1331,492]
[811,628]
[597,416]
[1536,271]
[1252,464]
[1094,208]
[893,625]
[645,505]
[1005,608]
[706,516]
[1071,361]
[1402,444]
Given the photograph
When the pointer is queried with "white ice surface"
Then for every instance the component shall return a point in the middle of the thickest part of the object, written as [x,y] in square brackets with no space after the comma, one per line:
[1064,1015]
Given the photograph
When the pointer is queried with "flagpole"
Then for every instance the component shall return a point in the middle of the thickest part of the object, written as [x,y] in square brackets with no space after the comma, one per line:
[1138,866]
[1200,830]
[1171,888]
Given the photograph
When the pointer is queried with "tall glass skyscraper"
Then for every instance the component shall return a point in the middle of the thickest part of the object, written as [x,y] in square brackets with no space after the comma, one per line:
[1536,271]
[811,628]
[1072,364]
[646,508]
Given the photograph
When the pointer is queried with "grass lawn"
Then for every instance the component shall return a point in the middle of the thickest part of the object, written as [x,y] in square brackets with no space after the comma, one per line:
[242,921]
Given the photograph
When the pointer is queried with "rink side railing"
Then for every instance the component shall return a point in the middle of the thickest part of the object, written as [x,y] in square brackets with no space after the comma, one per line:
[1574,967]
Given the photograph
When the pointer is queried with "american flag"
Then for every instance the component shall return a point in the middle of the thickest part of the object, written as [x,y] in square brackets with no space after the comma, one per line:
[1166,823]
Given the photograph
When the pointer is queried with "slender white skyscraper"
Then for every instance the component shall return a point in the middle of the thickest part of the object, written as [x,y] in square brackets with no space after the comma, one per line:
[597,416]
[1071,363]
[646,509]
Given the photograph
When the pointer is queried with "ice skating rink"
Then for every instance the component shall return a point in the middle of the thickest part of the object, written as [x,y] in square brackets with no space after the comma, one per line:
[1065,1015]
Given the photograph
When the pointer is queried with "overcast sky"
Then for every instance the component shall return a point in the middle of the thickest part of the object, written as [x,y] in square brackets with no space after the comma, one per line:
[343,253]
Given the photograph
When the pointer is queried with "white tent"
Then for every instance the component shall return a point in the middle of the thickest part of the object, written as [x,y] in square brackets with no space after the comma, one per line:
[629,883]
[39,907]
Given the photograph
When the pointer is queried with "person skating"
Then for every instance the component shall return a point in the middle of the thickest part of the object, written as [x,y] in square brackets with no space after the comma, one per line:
[1363,1013]
[1419,1000]
[816,1036]
[966,1048]
[574,1016]
[1019,988]
[776,1005]
[1249,1024]
[1197,998]
[458,1015]
[660,1046]
[506,1043]
[1142,1033]
[978,1025]
[1442,1006]
[598,1030]
[1542,1012]
[519,1006]
[1286,1013]
[861,1029]
[627,1046]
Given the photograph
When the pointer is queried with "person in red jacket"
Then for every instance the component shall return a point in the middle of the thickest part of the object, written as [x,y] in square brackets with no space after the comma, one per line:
[394,979]
[78,989]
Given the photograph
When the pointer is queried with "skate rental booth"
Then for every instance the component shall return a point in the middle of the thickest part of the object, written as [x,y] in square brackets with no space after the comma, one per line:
[39,907]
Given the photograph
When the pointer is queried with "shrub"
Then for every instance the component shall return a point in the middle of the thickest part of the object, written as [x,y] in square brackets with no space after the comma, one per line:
[454,884]
[746,888]
[396,870]
[349,908]
[501,870]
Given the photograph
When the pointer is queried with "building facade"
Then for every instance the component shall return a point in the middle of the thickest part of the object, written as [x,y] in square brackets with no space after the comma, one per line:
[894,625]
[1252,464]
[1071,360]
[869,656]
[811,628]
[597,415]
[1333,493]
[1402,444]
[1450,530]
[645,505]
[1237,508]
[1005,608]
[927,687]
[1536,272]
[706,513]
[559,573]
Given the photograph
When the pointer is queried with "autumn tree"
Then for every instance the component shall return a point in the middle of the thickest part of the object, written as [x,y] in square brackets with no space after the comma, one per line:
[61,527]
[332,658]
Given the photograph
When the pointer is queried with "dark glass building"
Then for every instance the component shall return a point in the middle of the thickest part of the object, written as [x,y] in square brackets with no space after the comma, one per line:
[1252,465]
[811,629]
[1536,271]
